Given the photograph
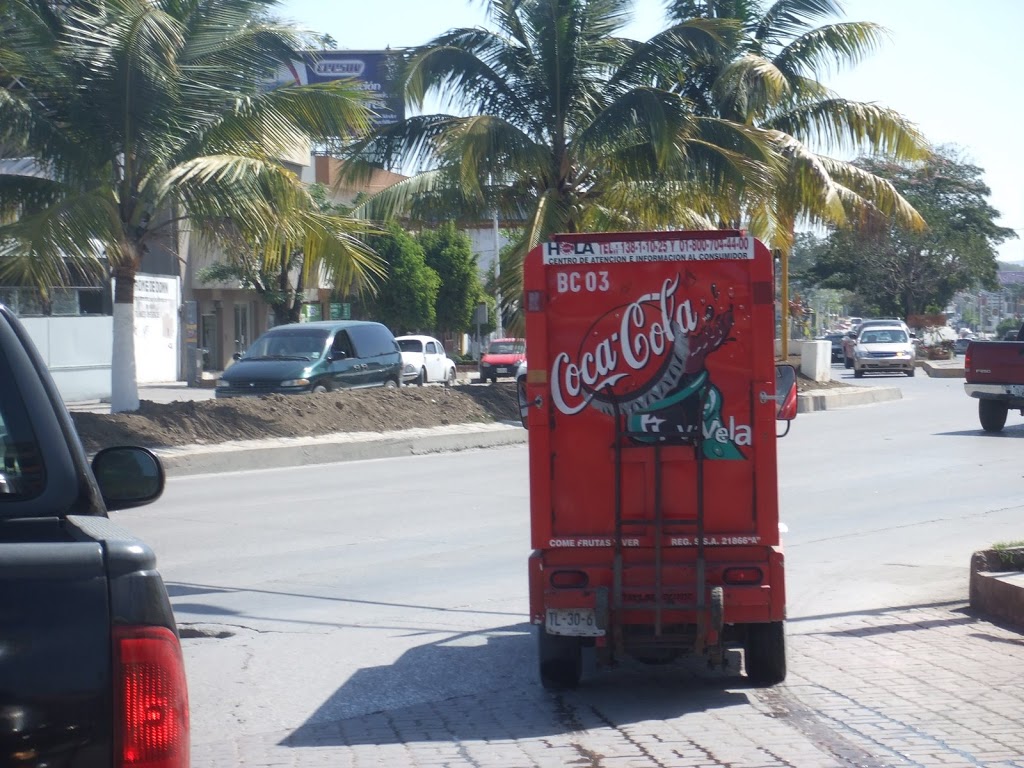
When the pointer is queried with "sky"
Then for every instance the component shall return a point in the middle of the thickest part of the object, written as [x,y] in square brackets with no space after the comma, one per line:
[953,68]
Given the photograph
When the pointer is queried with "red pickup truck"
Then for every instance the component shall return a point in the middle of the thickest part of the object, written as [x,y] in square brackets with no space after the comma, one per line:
[994,374]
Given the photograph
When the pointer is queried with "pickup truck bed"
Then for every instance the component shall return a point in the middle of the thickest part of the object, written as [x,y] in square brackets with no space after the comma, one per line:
[91,671]
[994,375]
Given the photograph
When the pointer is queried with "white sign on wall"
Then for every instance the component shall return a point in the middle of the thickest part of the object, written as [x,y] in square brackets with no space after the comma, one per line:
[156,328]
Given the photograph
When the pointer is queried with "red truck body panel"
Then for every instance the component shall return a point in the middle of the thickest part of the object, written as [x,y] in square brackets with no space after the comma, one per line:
[652,429]
[994,375]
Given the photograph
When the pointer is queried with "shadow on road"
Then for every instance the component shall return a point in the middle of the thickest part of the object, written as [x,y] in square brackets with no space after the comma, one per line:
[482,686]
[1010,431]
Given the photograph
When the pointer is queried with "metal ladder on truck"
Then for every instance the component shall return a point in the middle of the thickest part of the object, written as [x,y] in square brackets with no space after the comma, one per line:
[709,613]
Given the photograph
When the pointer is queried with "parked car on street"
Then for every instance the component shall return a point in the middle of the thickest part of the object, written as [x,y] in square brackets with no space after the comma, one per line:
[502,359]
[424,359]
[883,349]
[315,357]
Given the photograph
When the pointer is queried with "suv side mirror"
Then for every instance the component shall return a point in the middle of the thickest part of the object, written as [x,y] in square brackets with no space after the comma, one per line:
[128,477]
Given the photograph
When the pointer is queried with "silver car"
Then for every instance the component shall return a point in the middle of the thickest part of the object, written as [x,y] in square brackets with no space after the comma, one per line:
[883,349]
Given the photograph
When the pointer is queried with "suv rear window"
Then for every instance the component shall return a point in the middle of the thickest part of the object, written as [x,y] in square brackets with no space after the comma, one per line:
[22,475]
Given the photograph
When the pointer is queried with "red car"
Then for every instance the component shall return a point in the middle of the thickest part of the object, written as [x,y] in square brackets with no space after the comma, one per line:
[502,358]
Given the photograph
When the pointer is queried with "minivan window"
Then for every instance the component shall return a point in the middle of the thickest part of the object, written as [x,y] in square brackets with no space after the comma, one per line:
[342,345]
[290,344]
[372,340]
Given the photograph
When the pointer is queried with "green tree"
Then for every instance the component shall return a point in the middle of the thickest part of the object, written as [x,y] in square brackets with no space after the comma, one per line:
[140,113]
[279,281]
[770,78]
[407,298]
[562,126]
[904,271]
[449,252]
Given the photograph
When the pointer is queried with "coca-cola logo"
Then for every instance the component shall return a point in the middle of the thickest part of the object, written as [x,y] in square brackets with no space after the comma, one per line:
[635,354]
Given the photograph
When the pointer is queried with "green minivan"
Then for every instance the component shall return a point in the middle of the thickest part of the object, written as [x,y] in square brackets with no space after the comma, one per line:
[315,357]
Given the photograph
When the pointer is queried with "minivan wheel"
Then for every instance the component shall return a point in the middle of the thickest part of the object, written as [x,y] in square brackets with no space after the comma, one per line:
[390,384]
[318,389]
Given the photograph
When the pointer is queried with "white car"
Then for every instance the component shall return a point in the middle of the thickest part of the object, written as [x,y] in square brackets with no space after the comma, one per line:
[883,349]
[424,359]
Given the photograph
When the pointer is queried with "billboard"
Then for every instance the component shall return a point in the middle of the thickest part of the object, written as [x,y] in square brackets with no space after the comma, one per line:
[375,72]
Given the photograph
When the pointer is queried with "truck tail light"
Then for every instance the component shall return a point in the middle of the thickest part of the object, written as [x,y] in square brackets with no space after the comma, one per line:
[742,576]
[151,699]
[967,360]
[569,579]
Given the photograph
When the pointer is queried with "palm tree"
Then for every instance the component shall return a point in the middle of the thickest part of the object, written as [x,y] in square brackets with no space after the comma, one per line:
[561,126]
[140,114]
[771,79]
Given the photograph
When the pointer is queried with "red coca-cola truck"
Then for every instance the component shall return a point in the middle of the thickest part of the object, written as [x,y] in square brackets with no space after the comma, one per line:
[652,400]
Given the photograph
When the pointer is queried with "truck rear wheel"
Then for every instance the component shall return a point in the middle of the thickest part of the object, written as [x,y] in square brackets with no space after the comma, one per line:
[992,414]
[764,653]
[560,660]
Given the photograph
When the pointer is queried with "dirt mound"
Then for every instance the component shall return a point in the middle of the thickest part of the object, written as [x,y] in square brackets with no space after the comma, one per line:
[183,423]
[191,422]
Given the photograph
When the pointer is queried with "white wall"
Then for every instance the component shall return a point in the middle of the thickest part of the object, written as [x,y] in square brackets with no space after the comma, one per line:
[77,352]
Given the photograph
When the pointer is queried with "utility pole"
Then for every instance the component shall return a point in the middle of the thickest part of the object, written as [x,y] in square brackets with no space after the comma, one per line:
[497,274]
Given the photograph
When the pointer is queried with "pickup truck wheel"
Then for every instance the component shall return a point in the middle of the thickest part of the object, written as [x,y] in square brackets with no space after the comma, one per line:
[560,660]
[764,653]
[992,415]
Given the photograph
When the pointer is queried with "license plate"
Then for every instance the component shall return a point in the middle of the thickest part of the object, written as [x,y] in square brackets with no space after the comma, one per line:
[579,622]
[503,370]
[1017,390]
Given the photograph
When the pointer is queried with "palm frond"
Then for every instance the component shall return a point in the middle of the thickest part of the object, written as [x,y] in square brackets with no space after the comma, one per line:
[837,124]
[785,19]
[830,48]
[871,192]
[43,246]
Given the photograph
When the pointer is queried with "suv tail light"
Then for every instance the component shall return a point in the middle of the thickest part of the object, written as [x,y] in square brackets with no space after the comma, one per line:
[151,699]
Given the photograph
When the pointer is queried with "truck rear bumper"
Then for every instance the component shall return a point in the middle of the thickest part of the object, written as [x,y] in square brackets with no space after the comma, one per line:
[557,586]
[1012,394]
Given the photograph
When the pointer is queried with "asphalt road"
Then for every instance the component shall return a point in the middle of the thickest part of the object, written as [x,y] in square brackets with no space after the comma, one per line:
[375,611]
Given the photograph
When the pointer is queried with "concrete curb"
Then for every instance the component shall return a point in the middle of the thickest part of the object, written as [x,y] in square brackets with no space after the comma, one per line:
[997,593]
[828,399]
[944,369]
[325,449]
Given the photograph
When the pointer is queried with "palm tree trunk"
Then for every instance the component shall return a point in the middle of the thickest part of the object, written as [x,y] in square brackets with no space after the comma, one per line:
[124,389]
